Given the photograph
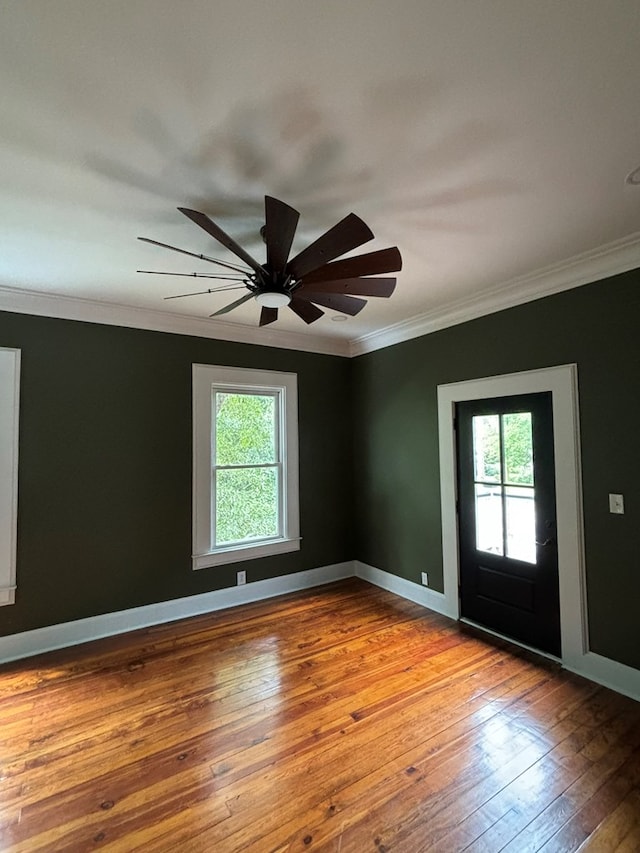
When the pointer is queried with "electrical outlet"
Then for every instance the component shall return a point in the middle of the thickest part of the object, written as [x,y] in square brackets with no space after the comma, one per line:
[242,578]
[616,504]
[425,579]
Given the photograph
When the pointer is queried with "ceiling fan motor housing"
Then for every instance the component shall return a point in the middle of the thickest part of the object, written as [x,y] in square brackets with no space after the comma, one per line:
[313,277]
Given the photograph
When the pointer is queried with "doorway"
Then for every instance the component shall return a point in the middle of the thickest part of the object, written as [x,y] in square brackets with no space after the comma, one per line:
[562,383]
[508,572]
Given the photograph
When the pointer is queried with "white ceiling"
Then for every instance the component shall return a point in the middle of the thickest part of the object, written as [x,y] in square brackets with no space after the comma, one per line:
[487,140]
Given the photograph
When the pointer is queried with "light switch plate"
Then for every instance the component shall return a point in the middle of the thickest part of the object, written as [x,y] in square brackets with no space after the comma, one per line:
[616,504]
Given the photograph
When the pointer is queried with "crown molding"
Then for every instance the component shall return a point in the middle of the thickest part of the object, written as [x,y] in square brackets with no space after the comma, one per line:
[605,261]
[20,301]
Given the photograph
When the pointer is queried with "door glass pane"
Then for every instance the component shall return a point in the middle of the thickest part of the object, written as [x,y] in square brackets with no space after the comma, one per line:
[489,519]
[521,523]
[245,429]
[518,448]
[246,504]
[486,448]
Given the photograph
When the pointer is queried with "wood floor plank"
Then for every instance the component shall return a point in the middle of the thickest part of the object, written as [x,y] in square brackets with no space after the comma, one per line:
[586,819]
[565,763]
[336,719]
[446,751]
[235,735]
[143,683]
[437,802]
[605,764]
[437,742]
[621,825]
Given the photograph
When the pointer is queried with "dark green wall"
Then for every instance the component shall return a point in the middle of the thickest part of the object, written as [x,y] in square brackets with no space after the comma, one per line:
[396,428]
[104,519]
[105,454]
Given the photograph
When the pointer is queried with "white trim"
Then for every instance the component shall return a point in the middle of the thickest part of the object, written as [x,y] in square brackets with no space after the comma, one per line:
[562,382]
[610,673]
[47,639]
[611,259]
[41,304]
[208,378]
[240,553]
[423,595]
[8,594]
[9,415]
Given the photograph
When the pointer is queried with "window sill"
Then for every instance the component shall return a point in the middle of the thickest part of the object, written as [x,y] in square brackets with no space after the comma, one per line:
[238,553]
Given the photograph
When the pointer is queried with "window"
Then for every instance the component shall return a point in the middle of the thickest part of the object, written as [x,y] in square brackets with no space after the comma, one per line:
[504,487]
[9,395]
[245,464]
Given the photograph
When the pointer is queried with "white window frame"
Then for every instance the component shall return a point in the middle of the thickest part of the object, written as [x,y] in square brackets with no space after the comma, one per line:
[9,408]
[207,380]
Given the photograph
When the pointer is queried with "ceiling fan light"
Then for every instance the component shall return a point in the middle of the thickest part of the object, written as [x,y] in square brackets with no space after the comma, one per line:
[273,299]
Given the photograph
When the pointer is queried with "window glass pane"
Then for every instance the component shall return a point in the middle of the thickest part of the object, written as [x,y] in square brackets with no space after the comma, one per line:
[486,448]
[246,504]
[521,523]
[518,448]
[245,429]
[489,519]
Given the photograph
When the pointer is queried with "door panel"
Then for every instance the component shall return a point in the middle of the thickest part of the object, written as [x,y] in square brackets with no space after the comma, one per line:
[507,518]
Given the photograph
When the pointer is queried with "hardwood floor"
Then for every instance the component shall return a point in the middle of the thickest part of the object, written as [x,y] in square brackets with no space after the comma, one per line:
[338,719]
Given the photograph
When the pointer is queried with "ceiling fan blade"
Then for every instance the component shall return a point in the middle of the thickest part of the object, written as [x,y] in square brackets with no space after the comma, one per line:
[280,228]
[196,275]
[233,305]
[305,310]
[373,263]
[351,286]
[193,254]
[221,236]
[348,234]
[268,315]
[345,304]
[202,292]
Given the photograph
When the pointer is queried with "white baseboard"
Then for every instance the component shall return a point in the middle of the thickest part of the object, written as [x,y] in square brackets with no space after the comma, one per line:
[617,676]
[610,673]
[406,589]
[47,639]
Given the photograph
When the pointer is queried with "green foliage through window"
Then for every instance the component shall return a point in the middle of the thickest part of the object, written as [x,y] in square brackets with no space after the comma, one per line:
[517,448]
[247,497]
[245,429]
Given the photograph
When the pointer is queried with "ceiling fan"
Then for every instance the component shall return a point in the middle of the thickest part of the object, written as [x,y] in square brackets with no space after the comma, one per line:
[312,278]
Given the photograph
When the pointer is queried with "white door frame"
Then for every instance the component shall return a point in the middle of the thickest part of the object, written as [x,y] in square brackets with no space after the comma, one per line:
[562,382]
